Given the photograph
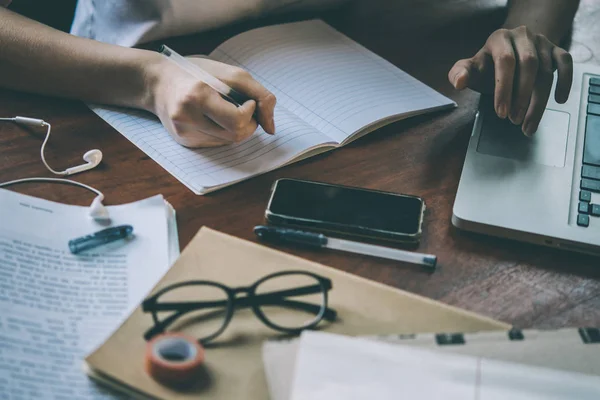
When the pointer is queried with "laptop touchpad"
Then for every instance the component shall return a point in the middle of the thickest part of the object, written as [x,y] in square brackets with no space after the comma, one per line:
[548,145]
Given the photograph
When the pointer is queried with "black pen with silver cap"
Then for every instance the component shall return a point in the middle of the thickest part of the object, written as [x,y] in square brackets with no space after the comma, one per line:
[286,235]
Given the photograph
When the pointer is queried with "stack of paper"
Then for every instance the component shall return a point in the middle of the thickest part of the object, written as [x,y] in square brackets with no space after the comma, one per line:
[55,306]
[325,366]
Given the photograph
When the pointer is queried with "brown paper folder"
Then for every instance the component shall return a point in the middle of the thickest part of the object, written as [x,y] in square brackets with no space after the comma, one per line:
[234,367]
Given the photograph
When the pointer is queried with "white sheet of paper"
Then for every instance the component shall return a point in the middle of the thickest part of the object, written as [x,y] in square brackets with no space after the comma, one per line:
[279,360]
[333,366]
[561,349]
[55,306]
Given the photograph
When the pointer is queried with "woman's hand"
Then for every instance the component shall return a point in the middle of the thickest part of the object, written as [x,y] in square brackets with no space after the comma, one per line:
[197,116]
[518,67]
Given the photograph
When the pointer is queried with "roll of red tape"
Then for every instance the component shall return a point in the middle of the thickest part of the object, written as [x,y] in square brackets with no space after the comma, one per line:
[174,359]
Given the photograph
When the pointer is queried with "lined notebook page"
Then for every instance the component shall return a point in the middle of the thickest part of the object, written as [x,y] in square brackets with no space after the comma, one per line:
[326,79]
[203,169]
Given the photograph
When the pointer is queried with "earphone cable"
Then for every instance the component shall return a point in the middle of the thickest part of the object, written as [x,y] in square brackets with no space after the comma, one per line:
[59,180]
[43,149]
[27,121]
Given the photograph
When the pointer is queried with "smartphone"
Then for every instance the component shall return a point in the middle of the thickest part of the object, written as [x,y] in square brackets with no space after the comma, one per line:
[348,211]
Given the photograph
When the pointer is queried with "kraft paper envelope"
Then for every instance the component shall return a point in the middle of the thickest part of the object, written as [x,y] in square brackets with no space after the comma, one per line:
[233,368]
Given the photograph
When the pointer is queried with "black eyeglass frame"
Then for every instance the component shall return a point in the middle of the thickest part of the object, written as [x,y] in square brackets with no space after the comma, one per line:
[251,299]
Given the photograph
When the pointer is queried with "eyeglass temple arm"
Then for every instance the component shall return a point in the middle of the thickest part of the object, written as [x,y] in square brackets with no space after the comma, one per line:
[152,305]
[278,298]
[273,298]
[329,314]
[267,299]
[162,325]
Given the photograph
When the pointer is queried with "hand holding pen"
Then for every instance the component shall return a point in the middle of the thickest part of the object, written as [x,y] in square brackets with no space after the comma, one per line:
[204,103]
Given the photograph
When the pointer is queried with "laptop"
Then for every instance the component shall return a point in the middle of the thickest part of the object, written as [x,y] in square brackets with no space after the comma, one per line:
[545,189]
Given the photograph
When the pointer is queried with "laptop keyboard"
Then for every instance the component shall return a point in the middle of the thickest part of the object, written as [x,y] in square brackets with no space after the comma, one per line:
[590,171]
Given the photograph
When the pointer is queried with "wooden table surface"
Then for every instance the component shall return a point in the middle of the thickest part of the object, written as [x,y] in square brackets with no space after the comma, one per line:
[521,284]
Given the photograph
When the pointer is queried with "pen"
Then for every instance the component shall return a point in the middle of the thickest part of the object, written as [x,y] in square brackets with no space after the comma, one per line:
[229,94]
[99,238]
[286,235]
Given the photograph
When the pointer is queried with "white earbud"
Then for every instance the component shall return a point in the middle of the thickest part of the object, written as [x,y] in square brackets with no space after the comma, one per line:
[97,209]
[92,158]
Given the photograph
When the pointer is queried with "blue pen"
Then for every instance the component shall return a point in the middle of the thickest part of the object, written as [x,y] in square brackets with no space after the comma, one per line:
[99,238]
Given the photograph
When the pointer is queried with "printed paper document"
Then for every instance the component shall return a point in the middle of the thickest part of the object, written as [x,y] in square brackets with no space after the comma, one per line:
[55,306]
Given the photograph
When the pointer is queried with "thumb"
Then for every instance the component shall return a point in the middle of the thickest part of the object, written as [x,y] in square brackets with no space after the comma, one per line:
[470,72]
[460,74]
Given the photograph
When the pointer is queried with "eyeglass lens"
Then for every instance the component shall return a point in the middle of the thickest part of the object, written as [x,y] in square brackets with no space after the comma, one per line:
[292,312]
[206,321]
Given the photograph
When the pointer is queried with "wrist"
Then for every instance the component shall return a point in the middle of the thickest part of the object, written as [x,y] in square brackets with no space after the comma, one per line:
[153,69]
[551,18]
[550,34]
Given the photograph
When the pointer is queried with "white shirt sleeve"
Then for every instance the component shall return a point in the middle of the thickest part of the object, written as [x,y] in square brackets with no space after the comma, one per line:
[130,22]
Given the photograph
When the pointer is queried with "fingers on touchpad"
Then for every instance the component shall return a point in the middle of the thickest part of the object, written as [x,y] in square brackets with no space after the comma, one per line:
[548,146]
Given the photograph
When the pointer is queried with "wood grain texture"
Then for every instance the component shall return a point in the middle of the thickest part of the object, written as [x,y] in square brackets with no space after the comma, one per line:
[522,284]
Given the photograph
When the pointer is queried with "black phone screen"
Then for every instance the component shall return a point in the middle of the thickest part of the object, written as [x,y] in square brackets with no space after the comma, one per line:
[314,204]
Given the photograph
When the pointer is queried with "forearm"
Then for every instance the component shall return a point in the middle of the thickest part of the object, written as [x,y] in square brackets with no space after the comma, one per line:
[39,59]
[551,18]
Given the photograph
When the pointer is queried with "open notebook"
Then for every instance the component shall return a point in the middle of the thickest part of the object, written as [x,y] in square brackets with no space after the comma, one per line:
[329,89]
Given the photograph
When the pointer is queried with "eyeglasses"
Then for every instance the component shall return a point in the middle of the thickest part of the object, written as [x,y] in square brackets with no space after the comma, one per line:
[274,299]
